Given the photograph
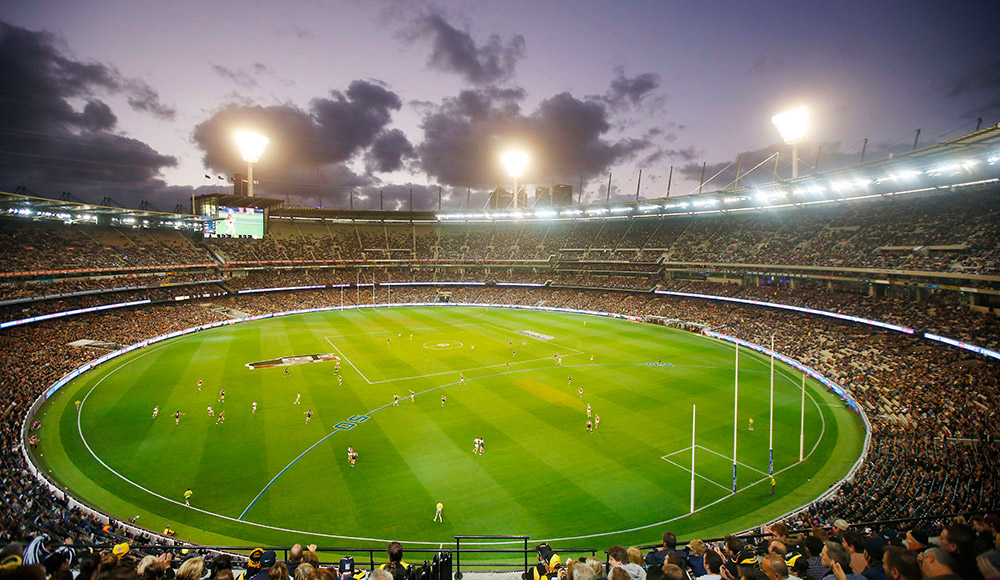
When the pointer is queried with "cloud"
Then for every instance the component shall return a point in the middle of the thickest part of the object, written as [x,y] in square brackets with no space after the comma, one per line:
[296,31]
[247,78]
[626,92]
[389,150]
[239,77]
[454,50]
[566,137]
[48,144]
[309,148]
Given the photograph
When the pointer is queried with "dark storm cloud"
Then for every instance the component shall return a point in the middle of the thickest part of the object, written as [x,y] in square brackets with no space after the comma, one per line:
[48,144]
[389,150]
[629,92]
[308,148]
[454,50]
[333,130]
[567,138]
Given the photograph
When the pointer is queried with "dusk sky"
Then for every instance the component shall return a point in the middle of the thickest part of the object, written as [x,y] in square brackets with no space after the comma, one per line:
[139,100]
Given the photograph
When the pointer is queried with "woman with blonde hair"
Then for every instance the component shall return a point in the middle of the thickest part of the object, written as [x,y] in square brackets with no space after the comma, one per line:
[191,569]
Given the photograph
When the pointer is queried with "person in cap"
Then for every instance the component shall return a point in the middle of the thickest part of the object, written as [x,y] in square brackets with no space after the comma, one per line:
[548,565]
[874,548]
[746,562]
[916,540]
[798,566]
[255,564]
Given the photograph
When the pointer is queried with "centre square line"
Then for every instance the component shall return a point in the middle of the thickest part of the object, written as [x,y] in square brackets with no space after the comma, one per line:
[451,372]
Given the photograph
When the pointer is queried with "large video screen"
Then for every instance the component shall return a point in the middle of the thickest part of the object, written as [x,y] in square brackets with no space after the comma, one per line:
[236,222]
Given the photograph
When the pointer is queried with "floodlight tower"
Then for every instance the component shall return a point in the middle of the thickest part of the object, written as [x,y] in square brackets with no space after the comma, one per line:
[515,161]
[792,126]
[251,146]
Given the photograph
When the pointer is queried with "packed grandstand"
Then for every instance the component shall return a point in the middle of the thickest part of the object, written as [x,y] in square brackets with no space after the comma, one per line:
[926,262]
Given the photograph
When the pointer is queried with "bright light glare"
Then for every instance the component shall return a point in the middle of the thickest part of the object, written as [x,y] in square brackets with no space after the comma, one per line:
[515,162]
[791,124]
[251,145]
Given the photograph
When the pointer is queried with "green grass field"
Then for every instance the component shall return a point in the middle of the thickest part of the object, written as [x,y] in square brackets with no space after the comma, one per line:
[271,478]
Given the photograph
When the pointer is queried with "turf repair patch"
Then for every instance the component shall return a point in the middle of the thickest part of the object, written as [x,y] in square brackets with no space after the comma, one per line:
[293,360]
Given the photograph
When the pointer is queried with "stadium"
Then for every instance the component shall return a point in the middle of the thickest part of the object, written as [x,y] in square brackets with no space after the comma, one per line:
[767,374]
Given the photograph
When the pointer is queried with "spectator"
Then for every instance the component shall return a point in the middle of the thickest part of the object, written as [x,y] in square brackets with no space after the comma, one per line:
[618,558]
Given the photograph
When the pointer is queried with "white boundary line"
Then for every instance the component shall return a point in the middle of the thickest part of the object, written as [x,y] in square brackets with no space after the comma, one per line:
[416,542]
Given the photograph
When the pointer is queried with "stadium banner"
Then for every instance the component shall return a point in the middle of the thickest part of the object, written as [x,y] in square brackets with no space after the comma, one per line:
[869,322]
[285,361]
[52,315]
[965,345]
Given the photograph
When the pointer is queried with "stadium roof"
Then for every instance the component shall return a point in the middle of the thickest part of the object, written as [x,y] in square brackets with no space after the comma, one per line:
[43,209]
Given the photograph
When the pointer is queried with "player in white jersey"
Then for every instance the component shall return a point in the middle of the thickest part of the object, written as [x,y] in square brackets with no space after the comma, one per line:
[156,411]
[211,413]
[254,408]
[588,410]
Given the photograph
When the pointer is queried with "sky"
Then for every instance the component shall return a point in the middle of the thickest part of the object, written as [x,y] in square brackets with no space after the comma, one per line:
[139,100]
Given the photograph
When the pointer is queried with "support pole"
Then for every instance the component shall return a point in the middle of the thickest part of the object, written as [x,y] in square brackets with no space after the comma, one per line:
[637,184]
[693,416]
[802,421]
[736,413]
[770,418]
[670,179]
[702,181]
[609,187]
[915,139]
[864,146]
[739,161]
[774,174]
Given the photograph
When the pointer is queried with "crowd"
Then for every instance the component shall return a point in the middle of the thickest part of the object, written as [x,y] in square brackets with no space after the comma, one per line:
[958,233]
[32,246]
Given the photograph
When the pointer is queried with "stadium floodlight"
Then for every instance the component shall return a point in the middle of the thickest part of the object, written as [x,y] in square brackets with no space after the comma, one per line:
[515,161]
[251,147]
[792,126]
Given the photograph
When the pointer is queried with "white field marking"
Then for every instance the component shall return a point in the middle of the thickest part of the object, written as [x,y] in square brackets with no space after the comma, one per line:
[343,356]
[530,360]
[688,469]
[410,330]
[414,542]
[728,457]
[498,327]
